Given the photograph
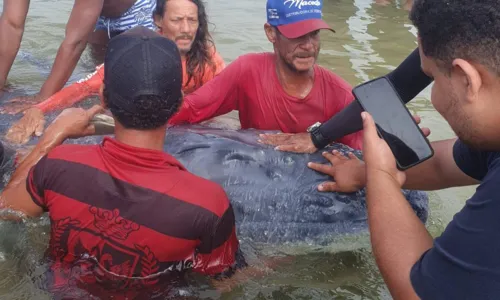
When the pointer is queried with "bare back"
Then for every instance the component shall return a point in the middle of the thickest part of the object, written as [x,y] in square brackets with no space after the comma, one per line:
[116,8]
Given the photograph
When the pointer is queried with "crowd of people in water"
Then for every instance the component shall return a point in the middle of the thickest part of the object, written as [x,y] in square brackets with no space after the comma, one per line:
[128,217]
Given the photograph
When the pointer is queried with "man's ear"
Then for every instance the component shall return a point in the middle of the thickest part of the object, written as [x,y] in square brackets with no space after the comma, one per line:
[101,96]
[158,22]
[469,76]
[270,33]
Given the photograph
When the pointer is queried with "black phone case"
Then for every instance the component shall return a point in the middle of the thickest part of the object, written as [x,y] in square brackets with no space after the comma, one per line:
[401,168]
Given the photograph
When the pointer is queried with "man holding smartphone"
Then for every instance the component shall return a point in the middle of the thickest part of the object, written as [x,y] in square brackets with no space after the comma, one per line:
[458,44]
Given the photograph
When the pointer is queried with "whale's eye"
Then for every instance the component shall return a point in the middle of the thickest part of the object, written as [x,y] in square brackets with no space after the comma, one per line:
[240,157]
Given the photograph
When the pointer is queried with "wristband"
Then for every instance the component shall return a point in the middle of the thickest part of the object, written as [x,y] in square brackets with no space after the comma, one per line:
[317,137]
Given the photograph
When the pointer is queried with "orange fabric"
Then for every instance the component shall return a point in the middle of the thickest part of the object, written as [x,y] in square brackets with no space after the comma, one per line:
[90,85]
[209,73]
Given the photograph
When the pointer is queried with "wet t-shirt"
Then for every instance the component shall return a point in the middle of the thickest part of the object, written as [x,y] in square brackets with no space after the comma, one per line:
[121,216]
[465,260]
[251,86]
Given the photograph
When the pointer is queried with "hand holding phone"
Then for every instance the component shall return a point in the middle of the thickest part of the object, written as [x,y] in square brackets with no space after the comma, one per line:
[394,122]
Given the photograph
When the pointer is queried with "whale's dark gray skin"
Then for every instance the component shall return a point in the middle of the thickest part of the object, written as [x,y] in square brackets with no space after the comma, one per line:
[273,193]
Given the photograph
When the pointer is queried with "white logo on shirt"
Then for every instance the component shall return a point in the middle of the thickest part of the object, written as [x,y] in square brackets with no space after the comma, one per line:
[300,3]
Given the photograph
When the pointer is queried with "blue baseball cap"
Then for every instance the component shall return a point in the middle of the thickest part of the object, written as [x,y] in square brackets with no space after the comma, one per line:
[295,18]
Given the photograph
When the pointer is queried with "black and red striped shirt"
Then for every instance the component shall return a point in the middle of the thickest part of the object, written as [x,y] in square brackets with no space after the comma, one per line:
[121,212]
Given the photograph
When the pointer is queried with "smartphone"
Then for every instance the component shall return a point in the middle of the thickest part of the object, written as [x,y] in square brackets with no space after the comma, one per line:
[394,122]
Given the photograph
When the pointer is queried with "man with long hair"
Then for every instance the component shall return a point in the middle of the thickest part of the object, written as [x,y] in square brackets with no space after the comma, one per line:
[183,21]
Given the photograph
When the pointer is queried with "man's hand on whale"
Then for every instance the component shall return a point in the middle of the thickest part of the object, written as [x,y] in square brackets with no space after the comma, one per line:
[301,142]
[348,172]
[19,104]
[289,142]
[33,122]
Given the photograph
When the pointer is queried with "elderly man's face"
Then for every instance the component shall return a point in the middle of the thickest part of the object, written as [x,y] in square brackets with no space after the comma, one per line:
[301,53]
[180,23]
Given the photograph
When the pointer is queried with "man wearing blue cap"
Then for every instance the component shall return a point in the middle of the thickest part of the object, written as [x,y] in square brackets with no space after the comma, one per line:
[285,90]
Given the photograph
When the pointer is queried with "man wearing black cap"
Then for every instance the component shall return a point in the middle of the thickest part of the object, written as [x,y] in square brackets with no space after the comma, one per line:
[285,90]
[124,208]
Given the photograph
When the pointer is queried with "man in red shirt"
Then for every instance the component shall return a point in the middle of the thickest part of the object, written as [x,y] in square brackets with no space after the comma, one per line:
[285,90]
[124,214]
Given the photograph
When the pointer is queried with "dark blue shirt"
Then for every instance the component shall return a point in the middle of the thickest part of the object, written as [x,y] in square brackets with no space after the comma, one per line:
[465,260]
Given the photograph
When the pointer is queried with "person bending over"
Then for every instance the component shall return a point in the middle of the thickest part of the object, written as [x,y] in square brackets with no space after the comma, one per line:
[183,21]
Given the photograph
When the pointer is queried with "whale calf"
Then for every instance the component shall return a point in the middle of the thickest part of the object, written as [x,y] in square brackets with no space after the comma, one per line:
[274,194]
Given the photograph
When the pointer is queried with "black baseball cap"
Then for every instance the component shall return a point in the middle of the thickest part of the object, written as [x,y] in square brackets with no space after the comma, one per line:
[141,62]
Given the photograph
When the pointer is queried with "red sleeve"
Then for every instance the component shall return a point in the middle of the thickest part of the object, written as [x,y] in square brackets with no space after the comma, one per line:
[218,249]
[75,92]
[35,183]
[216,97]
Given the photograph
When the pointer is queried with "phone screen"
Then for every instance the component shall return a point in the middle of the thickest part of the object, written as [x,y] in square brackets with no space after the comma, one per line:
[394,122]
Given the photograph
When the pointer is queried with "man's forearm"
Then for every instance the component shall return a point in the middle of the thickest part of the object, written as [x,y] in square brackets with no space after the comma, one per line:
[64,64]
[15,201]
[10,41]
[408,79]
[48,141]
[398,237]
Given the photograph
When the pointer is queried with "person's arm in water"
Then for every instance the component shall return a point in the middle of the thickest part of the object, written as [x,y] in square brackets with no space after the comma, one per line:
[16,196]
[216,97]
[11,33]
[33,120]
[80,25]
[408,79]
[75,92]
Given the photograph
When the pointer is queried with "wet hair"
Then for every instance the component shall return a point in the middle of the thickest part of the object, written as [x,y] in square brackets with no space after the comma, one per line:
[153,111]
[467,29]
[198,57]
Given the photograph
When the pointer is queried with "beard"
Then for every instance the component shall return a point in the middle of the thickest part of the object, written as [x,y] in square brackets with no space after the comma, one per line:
[475,140]
[470,131]
[290,65]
